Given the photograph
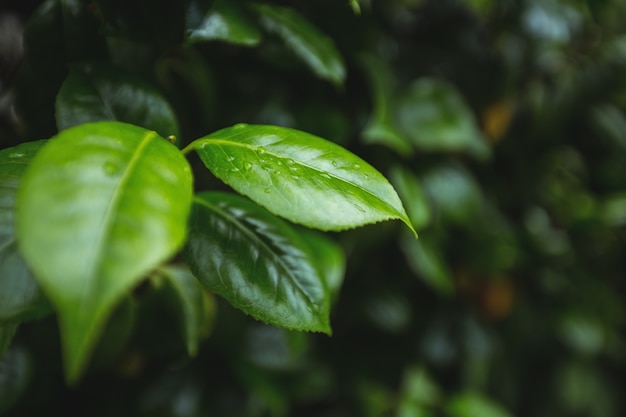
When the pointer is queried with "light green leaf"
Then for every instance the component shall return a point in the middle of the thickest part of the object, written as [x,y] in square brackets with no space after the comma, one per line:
[434,116]
[301,177]
[98,92]
[192,303]
[20,297]
[99,207]
[381,128]
[257,262]
[225,21]
[316,49]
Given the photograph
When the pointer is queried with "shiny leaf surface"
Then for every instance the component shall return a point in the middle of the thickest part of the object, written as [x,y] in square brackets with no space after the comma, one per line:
[121,197]
[301,177]
[316,49]
[20,296]
[257,262]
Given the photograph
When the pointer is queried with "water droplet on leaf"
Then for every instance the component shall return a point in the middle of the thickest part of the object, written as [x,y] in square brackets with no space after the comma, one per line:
[16,155]
[335,164]
[110,168]
[267,191]
[240,125]
[247,166]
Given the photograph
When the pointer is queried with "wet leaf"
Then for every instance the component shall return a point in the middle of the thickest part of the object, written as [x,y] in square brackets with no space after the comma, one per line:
[257,262]
[121,198]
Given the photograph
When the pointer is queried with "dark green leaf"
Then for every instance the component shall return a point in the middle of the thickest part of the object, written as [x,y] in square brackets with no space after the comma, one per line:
[15,373]
[312,46]
[20,296]
[98,92]
[116,201]
[257,262]
[225,21]
[433,115]
[7,331]
[301,177]
[191,301]
[329,256]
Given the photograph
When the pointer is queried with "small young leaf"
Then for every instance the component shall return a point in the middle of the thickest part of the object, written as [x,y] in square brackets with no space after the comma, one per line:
[99,207]
[257,262]
[20,296]
[101,92]
[312,46]
[301,177]
[191,303]
[225,21]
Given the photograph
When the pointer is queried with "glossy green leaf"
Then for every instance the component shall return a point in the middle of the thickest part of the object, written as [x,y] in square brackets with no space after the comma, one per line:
[381,128]
[316,49]
[99,207]
[192,304]
[434,116]
[224,21]
[301,177]
[98,92]
[20,297]
[257,262]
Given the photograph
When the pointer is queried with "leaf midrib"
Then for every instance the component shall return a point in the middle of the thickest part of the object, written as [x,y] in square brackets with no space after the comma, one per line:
[254,148]
[246,231]
[105,227]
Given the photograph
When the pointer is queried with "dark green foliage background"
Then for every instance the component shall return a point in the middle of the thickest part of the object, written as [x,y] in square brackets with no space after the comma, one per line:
[510,303]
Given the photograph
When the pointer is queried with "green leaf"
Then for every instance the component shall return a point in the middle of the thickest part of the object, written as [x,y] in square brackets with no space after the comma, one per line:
[329,256]
[471,404]
[116,201]
[225,21]
[20,296]
[192,303]
[434,116]
[381,128]
[257,262]
[301,177]
[426,261]
[7,331]
[312,46]
[414,197]
[98,92]
[15,373]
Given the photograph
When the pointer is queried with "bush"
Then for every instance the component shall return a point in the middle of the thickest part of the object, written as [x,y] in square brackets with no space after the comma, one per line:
[164,164]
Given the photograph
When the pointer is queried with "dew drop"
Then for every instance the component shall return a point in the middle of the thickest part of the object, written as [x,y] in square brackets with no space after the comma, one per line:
[240,125]
[247,166]
[267,191]
[291,162]
[235,169]
[335,164]
[325,176]
[261,150]
[295,177]
[16,155]
[356,166]
[230,158]
[110,168]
